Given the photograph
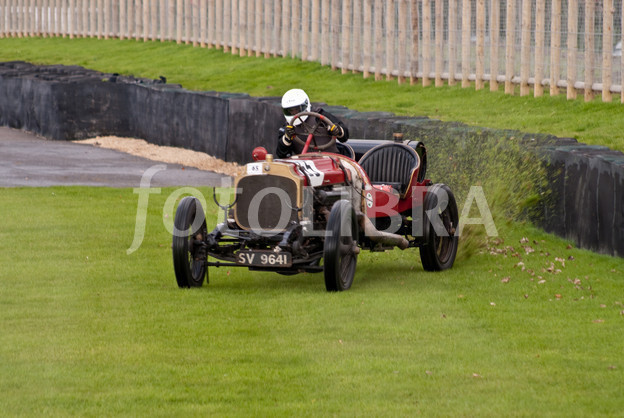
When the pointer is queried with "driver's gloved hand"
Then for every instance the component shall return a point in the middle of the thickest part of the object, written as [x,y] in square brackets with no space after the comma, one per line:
[335,130]
[289,133]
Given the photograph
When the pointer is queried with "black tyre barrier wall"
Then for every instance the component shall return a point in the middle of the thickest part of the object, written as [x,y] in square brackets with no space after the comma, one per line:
[70,102]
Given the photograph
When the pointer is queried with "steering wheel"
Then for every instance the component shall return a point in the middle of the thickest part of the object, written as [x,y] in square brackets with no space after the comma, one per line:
[314,121]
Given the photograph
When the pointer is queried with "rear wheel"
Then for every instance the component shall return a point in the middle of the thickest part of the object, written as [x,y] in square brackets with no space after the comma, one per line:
[189,256]
[340,249]
[440,217]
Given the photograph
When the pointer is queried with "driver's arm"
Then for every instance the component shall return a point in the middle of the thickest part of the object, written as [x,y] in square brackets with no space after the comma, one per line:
[284,145]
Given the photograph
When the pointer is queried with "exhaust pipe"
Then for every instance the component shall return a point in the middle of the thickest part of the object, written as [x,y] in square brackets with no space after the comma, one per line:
[384,238]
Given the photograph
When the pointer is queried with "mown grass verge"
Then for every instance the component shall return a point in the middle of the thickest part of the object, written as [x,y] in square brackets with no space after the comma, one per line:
[208,69]
[523,327]
[88,330]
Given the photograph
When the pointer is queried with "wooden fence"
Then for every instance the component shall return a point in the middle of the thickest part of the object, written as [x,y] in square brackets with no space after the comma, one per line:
[563,46]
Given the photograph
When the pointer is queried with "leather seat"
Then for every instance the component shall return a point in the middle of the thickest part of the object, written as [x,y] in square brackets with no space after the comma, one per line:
[391,164]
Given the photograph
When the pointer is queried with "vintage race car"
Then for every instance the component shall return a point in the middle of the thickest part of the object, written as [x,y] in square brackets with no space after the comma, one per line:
[316,211]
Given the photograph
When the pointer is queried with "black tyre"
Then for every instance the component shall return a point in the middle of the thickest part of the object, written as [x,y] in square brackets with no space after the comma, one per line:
[189,257]
[340,249]
[440,247]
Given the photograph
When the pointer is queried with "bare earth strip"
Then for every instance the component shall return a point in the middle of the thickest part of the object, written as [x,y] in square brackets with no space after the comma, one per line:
[166,154]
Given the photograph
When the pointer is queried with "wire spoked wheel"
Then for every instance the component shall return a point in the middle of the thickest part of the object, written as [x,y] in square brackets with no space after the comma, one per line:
[189,255]
[340,250]
[441,219]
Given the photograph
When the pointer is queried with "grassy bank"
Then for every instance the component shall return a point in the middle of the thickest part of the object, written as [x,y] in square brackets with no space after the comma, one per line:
[205,69]
[529,328]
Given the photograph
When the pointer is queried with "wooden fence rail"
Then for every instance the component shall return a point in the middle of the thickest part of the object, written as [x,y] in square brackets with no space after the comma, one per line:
[527,45]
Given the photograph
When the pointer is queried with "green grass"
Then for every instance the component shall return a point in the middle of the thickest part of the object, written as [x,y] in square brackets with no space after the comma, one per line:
[89,330]
[205,69]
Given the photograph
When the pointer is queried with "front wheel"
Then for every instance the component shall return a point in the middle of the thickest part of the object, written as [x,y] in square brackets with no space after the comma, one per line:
[440,240]
[189,256]
[340,249]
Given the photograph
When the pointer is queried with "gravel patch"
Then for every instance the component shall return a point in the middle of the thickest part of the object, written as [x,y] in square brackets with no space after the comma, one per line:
[166,154]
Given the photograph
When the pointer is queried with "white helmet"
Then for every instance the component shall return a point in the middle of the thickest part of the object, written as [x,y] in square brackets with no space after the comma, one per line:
[295,101]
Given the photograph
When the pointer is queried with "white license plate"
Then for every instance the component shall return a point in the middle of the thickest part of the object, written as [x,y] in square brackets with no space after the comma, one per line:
[264,258]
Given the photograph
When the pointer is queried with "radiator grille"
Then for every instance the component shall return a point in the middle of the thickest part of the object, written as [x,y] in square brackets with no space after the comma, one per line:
[266,202]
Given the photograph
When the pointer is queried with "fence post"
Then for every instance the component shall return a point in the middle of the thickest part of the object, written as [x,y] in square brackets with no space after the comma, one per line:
[227,21]
[203,15]
[107,18]
[439,42]
[357,35]
[426,41]
[71,16]
[335,34]
[243,38]
[414,54]
[590,14]
[286,27]
[325,32]
[607,36]
[249,32]
[3,19]
[115,23]
[63,17]
[572,44]
[452,41]
[466,18]
[259,22]
[305,36]
[555,46]
[146,19]
[235,27]
[267,33]
[295,29]
[494,40]
[154,19]
[378,35]
[123,23]
[480,70]
[510,46]
[525,49]
[26,20]
[403,29]
[367,40]
[390,37]
[138,19]
[314,28]
[188,22]
[540,10]
[162,17]
[277,27]
[85,17]
[347,33]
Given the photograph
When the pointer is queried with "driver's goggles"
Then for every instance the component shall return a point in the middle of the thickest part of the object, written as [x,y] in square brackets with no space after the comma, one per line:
[291,111]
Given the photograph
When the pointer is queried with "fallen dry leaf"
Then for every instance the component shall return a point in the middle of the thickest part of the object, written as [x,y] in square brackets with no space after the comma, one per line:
[505,279]
[524,240]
